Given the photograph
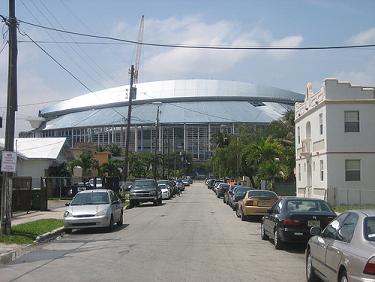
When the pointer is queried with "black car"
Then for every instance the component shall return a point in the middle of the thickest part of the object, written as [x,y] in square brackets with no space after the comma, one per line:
[145,190]
[290,220]
[228,194]
[239,193]
[221,189]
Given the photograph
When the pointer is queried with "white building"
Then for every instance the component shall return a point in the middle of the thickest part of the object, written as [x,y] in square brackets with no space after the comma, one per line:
[36,155]
[335,143]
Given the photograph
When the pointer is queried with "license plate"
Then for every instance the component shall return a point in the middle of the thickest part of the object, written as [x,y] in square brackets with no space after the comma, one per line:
[263,204]
[313,223]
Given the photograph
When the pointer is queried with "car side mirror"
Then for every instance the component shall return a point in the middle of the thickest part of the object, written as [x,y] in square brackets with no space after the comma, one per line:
[315,231]
[67,204]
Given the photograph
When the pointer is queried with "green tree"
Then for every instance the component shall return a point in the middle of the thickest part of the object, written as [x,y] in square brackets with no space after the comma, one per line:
[86,161]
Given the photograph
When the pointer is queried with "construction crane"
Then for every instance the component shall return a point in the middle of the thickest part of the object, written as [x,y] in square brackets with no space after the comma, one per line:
[138,49]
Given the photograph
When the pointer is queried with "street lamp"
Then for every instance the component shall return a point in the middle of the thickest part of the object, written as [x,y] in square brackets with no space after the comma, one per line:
[157,137]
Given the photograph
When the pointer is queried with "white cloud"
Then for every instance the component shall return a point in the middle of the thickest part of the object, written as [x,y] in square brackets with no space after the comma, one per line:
[364,37]
[177,62]
[364,77]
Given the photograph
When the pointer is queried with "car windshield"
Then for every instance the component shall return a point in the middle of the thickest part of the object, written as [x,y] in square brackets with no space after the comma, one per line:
[262,194]
[369,227]
[307,205]
[94,198]
[241,190]
[163,182]
[224,186]
[145,184]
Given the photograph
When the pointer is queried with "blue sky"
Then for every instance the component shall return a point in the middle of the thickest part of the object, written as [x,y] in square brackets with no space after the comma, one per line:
[234,23]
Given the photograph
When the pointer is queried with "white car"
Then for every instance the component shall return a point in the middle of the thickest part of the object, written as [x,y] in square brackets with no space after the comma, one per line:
[165,193]
[93,208]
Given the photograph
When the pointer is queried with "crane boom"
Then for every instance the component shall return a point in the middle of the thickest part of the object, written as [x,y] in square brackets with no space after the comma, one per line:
[138,49]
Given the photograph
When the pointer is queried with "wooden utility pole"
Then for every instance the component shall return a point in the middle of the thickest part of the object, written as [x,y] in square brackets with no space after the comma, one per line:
[132,93]
[6,195]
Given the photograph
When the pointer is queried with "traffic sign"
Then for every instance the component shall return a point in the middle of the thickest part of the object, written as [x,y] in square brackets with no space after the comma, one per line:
[8,161]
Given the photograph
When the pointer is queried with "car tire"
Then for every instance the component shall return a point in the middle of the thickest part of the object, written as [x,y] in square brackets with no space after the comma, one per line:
[343,277]
[110,226]
[263,234]
[131,204]
[155,202]
[277,241]
[243,217]
[310,272]
[238,213]
[160,201]
[121,220]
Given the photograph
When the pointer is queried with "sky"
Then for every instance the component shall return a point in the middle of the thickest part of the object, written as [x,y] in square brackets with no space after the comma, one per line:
[284,23]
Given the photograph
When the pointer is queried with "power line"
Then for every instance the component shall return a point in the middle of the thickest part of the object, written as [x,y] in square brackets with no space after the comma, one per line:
[74,42]
[214,47]
[51,57]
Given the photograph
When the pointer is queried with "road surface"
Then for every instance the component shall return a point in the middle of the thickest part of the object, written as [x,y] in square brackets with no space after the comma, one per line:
[195,237]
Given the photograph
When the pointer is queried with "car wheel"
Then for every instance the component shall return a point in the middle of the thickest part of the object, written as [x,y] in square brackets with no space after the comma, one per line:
[160,202]
[343,277]
[155,202]
[263,234]
[238,213]
[277,241]
[310,272]
[224,199]
[111,222]
[121,220]
[243,217]
[131,203]
[217,195]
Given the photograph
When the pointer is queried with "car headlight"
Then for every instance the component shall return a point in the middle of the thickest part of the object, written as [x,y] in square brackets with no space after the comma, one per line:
[100,213]
[66,213]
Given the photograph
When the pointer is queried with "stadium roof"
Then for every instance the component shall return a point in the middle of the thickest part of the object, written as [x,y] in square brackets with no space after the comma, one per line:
[182,101]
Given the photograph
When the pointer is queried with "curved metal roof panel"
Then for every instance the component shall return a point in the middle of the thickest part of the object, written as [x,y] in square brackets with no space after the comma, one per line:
[173,113]
[173,89]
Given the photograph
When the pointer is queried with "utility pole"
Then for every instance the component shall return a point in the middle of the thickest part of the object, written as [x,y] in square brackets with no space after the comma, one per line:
[6,195]
[157,140]
[131,94]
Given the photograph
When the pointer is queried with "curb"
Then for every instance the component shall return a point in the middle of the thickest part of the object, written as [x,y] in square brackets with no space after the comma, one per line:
[12,255]
[49,235]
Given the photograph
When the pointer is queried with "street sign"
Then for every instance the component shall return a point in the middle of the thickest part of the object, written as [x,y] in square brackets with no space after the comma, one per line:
[8,161]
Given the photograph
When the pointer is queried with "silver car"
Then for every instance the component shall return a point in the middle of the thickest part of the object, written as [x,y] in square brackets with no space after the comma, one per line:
[93,208]
[345,250]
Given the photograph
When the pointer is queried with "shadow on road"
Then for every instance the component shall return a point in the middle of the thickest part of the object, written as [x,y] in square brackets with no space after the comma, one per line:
[99,230]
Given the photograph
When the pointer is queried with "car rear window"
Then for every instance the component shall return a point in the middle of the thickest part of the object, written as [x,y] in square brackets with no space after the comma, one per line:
[307,205]
[369,226]
[240,190]
[262,194]
[94,198]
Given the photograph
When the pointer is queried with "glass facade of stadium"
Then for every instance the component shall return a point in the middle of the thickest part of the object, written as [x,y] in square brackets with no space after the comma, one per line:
[191,113]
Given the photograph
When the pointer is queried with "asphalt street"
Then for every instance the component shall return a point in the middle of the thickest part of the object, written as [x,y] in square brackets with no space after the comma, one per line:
[195,237]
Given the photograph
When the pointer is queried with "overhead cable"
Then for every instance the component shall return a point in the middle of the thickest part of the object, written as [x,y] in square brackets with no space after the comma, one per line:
[214,47]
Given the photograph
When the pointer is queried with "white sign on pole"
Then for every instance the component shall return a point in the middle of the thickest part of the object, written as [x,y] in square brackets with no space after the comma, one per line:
[8,161]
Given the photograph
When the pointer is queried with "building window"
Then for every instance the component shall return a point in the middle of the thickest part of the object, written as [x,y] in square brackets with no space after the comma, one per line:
[299,135]
[321,171]
[351,121]
[299,172]
[352,170]
[321,124]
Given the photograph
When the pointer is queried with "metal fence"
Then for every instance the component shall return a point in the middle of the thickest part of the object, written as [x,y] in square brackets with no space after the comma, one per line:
[67,187]
[351,198]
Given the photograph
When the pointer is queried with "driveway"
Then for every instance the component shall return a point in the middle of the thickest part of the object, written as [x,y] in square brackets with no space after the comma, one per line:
[194,237]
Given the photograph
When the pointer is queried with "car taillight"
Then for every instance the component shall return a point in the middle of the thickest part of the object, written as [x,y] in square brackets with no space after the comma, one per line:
[289,221]
[249,202]
[370,267]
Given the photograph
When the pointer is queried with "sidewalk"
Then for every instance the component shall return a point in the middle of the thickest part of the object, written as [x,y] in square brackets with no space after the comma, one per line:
[9,252]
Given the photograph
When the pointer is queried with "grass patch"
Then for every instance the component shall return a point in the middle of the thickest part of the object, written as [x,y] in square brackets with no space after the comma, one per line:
[344,208]
[26,233]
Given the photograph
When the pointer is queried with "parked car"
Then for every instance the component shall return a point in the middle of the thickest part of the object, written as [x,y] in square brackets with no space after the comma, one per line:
[211,183]
[168,184]
[180,185]
[238,193]
[186,182]
[221,189]
[96,183]
[165,193]
[145,190]
[290,220]
[228,194]
[256,203]
[93,208]
[78,187]
[345,250]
